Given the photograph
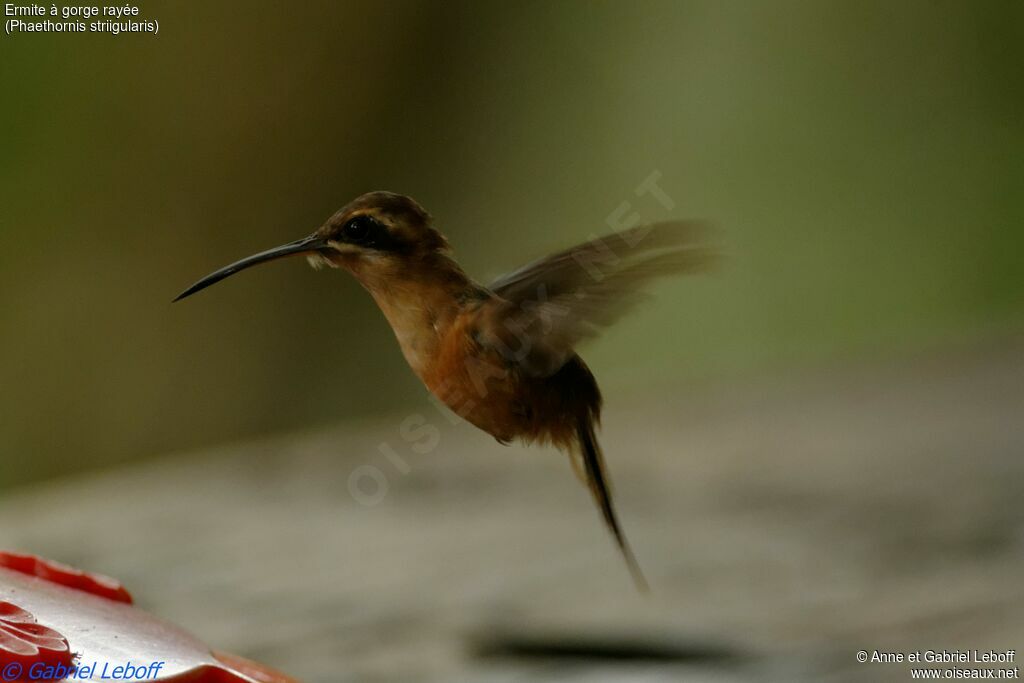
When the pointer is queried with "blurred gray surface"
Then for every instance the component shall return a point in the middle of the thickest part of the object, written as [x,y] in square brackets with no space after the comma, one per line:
[784,525]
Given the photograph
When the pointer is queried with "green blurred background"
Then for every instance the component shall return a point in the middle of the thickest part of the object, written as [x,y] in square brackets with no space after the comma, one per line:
[863,160]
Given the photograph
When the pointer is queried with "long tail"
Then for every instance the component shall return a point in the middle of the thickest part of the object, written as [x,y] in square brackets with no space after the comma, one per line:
[597,480]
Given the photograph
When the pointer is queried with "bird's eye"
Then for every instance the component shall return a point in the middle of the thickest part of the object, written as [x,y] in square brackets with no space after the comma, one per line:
[359,228]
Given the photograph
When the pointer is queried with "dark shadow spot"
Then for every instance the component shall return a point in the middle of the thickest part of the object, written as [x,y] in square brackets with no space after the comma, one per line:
[599,648]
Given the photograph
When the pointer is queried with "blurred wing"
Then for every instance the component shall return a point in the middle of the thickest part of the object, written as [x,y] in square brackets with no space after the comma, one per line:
[547,307]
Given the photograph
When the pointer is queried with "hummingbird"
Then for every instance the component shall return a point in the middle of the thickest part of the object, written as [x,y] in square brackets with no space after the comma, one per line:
[502,356]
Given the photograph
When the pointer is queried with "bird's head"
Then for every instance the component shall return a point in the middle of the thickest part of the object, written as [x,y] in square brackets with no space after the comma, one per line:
[379,234]
[379,230]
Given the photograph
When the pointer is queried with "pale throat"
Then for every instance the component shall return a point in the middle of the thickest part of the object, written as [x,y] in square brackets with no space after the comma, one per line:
[419,299]
[420,314]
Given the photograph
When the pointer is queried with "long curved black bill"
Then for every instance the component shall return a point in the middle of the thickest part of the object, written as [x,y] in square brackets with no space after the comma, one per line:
[303,246]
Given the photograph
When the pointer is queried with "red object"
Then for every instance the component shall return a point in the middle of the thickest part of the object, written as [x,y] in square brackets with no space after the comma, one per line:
[25,642]
[55,616]
[97,584]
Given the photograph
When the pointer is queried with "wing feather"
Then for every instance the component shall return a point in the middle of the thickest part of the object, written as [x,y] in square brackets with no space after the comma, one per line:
[544,309]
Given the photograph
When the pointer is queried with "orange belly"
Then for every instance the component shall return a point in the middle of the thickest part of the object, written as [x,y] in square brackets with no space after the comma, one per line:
[495,395]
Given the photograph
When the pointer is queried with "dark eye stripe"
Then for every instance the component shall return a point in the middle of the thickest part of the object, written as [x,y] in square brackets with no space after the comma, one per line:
[366,231]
